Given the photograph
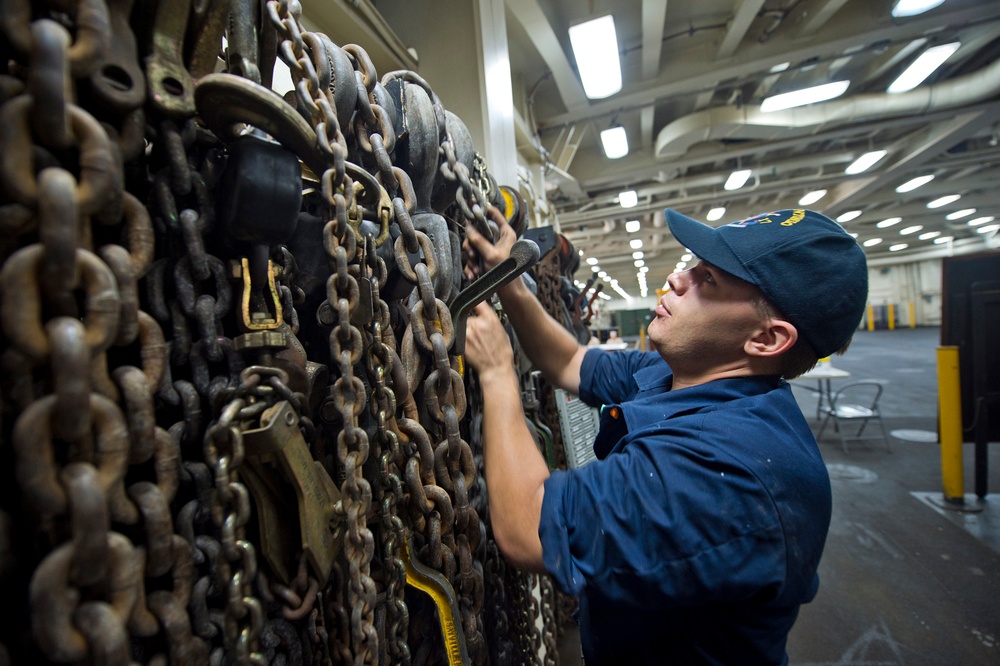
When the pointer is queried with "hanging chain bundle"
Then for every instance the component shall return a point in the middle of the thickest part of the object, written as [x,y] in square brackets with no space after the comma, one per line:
[235,428]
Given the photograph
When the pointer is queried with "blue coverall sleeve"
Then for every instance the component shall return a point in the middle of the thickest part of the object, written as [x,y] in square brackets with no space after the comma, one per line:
[662,524]
[609,377]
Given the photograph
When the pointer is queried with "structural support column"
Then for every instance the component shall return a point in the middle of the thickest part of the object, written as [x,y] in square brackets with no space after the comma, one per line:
[463,55]
[495,92]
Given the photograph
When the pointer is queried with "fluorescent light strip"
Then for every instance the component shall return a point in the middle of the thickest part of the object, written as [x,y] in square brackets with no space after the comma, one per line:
[980,220]
[628,198]
[911,230]
[790,100]
[615,142]
[943,240]
[905,8]
[848,216]
[715,214]
[989,228]
[898,246]
[812,197]
[929,235]
[922,67]
[595,47]
[632,226]
[944,201]
[872,241]
[888,222]
[914,183]
[635,243]
[959,214]
[865,162]
[737,179]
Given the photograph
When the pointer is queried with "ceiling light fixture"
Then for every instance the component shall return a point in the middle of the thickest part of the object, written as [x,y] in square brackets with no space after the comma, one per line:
[898,246]
[602,274]
[872,241]
[914,183]
[959,214]
[595,47]
[943,240]
[635,243]
[716,213]
[812,197]
[637,254]
[737,179]
[865,162]
[904,8]
[848,216]
[888,222]
[615,142]
[929,235]
[624,294]
[944,201]
[628,198]
[638,262]
[922,67]
[596,269]
[980,220]
[687,256]
[911,230]
[790,100]
[644,269]
[593,261]
[988,228]
[632,226]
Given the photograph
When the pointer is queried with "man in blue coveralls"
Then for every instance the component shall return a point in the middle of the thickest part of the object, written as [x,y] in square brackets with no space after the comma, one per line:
[696,536]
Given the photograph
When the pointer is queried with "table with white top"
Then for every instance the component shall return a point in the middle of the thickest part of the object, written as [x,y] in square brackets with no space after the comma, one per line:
[823,373]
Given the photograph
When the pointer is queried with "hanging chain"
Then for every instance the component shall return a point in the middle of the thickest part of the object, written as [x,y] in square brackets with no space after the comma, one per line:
[134,394]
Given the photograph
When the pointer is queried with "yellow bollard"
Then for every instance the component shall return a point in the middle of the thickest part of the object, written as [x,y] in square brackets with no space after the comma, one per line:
[871,318]
[950,420]
[913,315]
[891,316]
[642,339]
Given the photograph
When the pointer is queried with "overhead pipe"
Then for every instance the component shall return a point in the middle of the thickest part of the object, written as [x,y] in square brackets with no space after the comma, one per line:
[728,122]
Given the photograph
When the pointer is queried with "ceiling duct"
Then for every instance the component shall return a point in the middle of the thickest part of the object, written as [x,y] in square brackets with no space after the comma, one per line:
[748,123]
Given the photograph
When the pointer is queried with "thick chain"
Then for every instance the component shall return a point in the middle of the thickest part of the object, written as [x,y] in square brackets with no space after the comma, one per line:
[126,392]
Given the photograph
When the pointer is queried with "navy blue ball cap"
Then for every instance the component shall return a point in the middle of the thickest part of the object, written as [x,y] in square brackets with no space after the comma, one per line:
[812,270]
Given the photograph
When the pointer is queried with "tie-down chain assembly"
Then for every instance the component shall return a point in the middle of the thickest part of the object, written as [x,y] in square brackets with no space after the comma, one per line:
[235,423]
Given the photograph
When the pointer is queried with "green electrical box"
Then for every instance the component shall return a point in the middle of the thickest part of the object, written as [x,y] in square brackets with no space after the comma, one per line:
[630,322]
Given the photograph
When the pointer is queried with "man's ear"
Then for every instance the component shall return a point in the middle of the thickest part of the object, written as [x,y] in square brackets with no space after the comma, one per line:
[775,336]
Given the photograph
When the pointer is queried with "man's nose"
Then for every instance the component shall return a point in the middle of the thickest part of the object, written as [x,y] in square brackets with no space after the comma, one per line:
[678,281]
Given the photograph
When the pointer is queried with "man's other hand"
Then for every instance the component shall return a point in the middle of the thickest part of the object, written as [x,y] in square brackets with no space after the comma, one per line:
[481,255]
[487,347]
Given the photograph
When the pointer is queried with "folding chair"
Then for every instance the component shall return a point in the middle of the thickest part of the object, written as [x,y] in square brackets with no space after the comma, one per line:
[857,401]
